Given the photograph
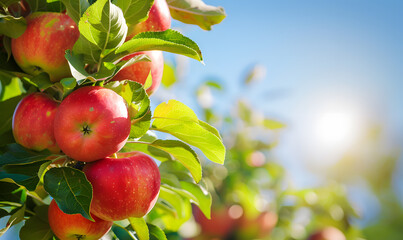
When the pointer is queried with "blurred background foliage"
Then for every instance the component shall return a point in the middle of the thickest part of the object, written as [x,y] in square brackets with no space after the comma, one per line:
[253,194]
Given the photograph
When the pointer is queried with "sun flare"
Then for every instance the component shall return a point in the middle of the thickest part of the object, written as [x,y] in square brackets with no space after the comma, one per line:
[336,127]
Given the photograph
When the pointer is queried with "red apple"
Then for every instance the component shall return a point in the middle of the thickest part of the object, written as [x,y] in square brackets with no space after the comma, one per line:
[123,187]
[257,227]
[328,233]
[221,224]
[92,123]
[74,226]
[159,19]
[33,122]
[139,71]
[41,48]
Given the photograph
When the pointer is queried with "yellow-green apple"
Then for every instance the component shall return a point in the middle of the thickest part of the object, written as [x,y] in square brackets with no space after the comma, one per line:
[41,48]
[74,226]
[139,71]
[123,187]
[328,233]
[33,122]
[92,123]
[159,19]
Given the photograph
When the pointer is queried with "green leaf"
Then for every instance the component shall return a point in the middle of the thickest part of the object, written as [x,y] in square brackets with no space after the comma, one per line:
[140,126]
[75,8]
[106,70]
[68,83]
[102,28]
[11,26]
[177,149]
[196,12]
[16,154]
[147,149]
[7,109]
[37,5]
[122,233]
[182,209]
[16,218]
[76,64]
[41,81]
[156,233]
[135,11]
[183,153]
[213,84]
[273,124]
[210,128]
[138,105]
[9,192]
[7,47]
[10,86]
[179,120]
[37,227]
[136,98]
[24,174]
[168,75]
[177,169]
[90,52]
[169,41]
[140,226]
[198,195]
[3,213]
[70,189]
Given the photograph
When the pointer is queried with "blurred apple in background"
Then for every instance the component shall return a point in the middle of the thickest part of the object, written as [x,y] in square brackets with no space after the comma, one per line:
[328,233]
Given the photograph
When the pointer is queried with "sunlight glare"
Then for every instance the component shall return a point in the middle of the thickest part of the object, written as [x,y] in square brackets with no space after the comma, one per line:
[336,127]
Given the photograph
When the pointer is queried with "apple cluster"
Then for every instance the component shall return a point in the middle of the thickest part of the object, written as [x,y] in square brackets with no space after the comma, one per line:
[41,48]
[90,125]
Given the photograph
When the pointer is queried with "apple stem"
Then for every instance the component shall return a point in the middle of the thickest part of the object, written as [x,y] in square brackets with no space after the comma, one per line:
[79,236]
[86,130]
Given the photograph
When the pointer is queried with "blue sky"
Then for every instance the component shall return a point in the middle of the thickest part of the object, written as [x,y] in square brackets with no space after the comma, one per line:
[349,52]
[318,55]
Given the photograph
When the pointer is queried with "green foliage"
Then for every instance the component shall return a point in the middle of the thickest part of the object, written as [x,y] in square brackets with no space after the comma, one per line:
[11,26]
[135,11]
[183,153]
[140,226]
[156,233]
[169,76]
[10,86]
[196,12]
[70,189]
[15,218]
[169,41]
[24,175]
[16,154]
[37,227]
[102,29]
[75,9]
[180,121]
